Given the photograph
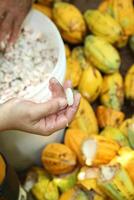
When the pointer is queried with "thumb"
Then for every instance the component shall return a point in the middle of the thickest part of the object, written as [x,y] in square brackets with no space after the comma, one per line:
[48,108]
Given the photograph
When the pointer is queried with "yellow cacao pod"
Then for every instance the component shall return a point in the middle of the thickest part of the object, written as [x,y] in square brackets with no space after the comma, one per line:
[123,12]
[40,173]
[74,193]
[58,159]
[73,71]
[112,93]
[98,150]
[90,83]
[115,134]
[70,22]
[87,180]
[66,181]
[44,9]
[102,54]
[129,83]
[106,27]
[90,185]
[109,117]
[127,127]
[116,183]
[126,159]
[67,50]
[85,118]
[78,54]
[74,139]
[105,7]
[45,189]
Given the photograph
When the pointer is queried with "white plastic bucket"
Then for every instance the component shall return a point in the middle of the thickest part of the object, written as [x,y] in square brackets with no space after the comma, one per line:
[23,149]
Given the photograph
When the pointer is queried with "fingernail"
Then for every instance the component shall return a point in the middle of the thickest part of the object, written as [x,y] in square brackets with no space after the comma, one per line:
[62,103]
[53,80]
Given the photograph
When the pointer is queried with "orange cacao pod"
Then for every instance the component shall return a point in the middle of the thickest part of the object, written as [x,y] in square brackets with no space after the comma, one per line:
[58,158]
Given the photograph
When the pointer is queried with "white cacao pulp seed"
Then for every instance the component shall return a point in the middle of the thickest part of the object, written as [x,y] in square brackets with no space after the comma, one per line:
[69,96]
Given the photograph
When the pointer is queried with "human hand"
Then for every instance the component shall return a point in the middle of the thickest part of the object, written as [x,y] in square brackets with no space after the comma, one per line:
[12,14]
[39,118]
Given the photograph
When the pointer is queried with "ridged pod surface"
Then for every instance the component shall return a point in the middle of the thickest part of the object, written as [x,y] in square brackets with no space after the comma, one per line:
[74,139]
[129,83]
[112,93]
[127,127]
[70,22]
[102,54]
[126,159]
[85,118]
[106,27]
[58,158]
[115,134]
[90,83]
[74,194]
[98,150]
[116,183]
[73,71]
[109,117]
[123,12]
[78,54]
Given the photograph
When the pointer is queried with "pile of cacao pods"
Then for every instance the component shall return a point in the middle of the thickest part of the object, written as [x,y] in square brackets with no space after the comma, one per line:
[96,159]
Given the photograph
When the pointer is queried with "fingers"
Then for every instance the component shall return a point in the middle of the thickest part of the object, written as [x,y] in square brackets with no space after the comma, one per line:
[60,121]
[10,27]
[45,109]
[52,124]
[15,30]
[68,84]
[56,88]
[6,27]
[64,118]
[46,118]
[2,15]
[71,110]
